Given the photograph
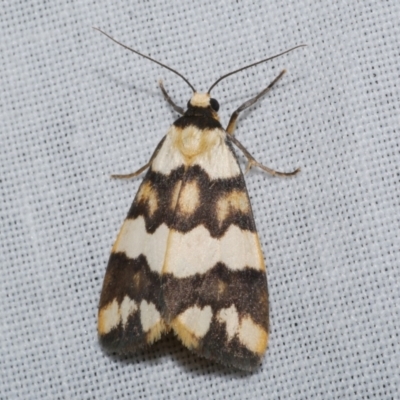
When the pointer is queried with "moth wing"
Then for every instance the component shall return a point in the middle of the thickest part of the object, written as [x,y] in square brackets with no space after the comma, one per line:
[130,309]
[214,278]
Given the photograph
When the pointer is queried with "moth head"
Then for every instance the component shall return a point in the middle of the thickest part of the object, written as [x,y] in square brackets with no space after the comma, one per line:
[203,101]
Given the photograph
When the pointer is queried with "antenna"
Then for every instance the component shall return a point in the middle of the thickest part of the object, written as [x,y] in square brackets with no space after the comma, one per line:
[252,65]
[149,58]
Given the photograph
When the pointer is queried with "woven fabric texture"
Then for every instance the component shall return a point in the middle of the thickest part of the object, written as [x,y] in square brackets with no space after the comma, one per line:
[76,108]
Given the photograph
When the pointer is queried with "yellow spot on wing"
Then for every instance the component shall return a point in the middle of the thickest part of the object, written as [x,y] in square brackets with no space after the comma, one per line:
[189,198]
[250,334]
[156,332]
[152,323]
[230,317]
[149,315]
[193,324]
[113,313]
[235,201]
[148,195]
[188,339]
[253,336]
[109,318]
[126,308]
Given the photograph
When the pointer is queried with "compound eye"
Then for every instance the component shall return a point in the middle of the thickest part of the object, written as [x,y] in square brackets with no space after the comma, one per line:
[214,104]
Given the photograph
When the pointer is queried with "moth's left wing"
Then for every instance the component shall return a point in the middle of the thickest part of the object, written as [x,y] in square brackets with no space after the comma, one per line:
[130,309]
[214,277]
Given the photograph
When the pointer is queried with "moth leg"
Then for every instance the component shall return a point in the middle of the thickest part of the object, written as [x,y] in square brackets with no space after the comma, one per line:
[252,162]
[178,109]
[140,170]
[232,122]
[133,174]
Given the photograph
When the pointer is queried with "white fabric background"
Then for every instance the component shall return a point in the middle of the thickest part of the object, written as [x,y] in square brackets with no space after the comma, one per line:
[75,108]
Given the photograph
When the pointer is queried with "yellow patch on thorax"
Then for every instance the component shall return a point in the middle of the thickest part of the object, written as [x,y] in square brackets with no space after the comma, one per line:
[193,142]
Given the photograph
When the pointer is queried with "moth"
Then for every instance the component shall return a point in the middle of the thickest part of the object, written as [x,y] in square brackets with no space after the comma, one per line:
[188,258]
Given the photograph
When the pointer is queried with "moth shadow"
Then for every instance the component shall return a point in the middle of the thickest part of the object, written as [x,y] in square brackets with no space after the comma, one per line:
[149,355]
[170,347]
[196,365]
[127,85]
